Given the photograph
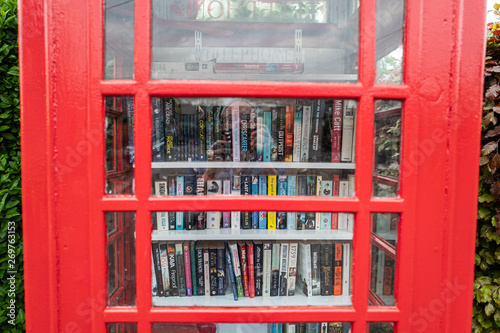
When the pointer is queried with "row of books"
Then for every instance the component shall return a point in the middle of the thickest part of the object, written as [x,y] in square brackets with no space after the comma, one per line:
[309,328]
[271,185]
[250,269]
[321,131]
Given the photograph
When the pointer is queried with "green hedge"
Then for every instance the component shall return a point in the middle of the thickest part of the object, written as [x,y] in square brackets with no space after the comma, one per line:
[11,248]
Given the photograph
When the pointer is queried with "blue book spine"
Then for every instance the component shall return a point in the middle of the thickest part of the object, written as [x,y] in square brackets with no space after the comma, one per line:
[267,137]
[263,191]
[325,220]
[210,132]
[179,218]
[255,191]
[130,122]
[292,191]
[231,274]
[260,132]
[255,220]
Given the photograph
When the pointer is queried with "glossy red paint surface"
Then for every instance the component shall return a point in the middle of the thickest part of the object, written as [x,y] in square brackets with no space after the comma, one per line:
[63,170]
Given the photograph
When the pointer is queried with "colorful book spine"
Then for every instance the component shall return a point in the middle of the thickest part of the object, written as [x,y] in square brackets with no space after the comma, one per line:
[179,217]
[158,132]
[244,267]
[290,117]
[275,269]
[292,191]
[233,247]
[221,268]
[292,269]
[230,270]
[255,191]
[227,128]
[336,130]
[297,133]
[271,191]
[210,133]
[252,135]
[251,269]
[281,132]
[326,191]
[283,277]
[235,116]
[259,261]
[218,137]
[262,191]
[170,137]
[187,269]
[192,253]
[244,133]
[267,138]
[260,133]
[306,131]
[179,256]
[201,134]
[337,269]
[274,134]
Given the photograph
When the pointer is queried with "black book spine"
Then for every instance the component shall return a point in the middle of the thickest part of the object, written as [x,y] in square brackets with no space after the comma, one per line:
[301,328]
[182,273]
[202,221]
[326,141]
[217,130]
[157,264]
[200,273]
[186,136]
[227,127]
[316,131]
[252,137]
[172,270]
[326,269]
[244,122]
[158,135]
[301,185]
[171,192]
[258,268]
[282,223]
[170,136]
[201,125]
[190,185]
[274,134]
[179,129]
[210,133]
[275,278]
[246,189]
[221,268]
[193,144]
[310,220]
[281,132]
[212,251]
[315,270]
[311,186]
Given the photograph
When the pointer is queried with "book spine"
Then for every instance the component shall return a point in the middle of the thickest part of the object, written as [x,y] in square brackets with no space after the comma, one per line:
[244,133]
[306,130]
[169,105]
[213,219]
[282,191]
[194,137]
[179,130]
[252,136]
[319,180]
[227,127]
[259,258]
[281,132]
[347,132]
[201,219]
[255,191]
[157,264]
[214,281]
[218,137]
[200,274]
[201,133]
[192,253]
[336,130]
[161,217]
[130,128]
[154,285]
[316,131]
[283,277]
[164,268]
[158,132]
[226,216]
[260,133]
[230,270]
[171,192]
[266,136]
[210,133]
[172,269]
[274,134]
[262,191]
[326,271]
[346,269]
[244,268]
[292,269]
[297,133]
[266,286]
[315,270]
[337,269]
[335,193]
[236,216]
[246,188]
[187,269]
[206,271]
[233,247]
[251,269]
[187,135]
[221,267]
[290,117]
[275,269]
[271,191]
[292,191]
[325,221]
[327,134]
[179,256]
[235,116]
[304,268]
[179,218]
[343,192]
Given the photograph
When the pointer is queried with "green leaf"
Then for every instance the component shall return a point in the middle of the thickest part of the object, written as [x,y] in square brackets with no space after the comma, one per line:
[488,148]
[489,309]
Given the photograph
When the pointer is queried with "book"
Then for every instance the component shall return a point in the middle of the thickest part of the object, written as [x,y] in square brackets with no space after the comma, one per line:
[335,193]
[221,269]
[201,130]
[282,191]
[326,137]
[266,275]
[244,132]
[262,191]
[283,274]
[230,271]
[172,270]
[318,113]
[226,216]
[235,116]
[274,134]
[297,133]
[306,130]
[281,133]
[260,133]
[187,269]
[346,269]
[343,192]
[192,252]
[162,222]
[290,117]
[310,220]
[255,191]
[179,217]
[164,267]
[227,131]
[337,269]
[236,216]
[206,269]
[292,269]
[130,128]
[251,268]
[267,136]
[171,192]
[244,267]
[319,179]
[326,269]
[190,188]
[154,285]
[214,280]
[291,191]
[246,189]
[275,269]
[214,187]
[233,248]
[338,328]
[271,191]
[304,272]
[200,274]
[300,221]
[158,131]
[315,268]
[258,267]
[336,130]
[181,272]
[347,131]
[210,133]
[157,265]
[218,135]
[179,131]
[170,135]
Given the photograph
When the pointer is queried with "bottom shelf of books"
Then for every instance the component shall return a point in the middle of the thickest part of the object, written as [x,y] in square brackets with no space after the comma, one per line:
[251,273]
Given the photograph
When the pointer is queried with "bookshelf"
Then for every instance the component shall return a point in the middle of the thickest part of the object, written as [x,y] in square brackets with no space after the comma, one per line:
[252,165]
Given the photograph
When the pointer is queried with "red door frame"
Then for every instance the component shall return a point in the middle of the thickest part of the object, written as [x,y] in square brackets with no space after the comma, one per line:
[63,173]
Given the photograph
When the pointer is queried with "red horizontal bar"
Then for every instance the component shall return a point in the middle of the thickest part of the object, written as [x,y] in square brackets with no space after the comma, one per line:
[388,113]
[386,180]
[120,314]
[384,245]
[118,88]
[119,204]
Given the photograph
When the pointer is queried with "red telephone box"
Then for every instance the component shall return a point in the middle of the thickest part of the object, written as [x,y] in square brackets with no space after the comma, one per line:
[159,139]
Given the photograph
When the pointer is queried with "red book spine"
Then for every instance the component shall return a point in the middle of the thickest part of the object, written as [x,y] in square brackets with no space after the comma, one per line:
[251,272]
[335,193]
[244,268]
[336,130]
[337,270]
[187,269]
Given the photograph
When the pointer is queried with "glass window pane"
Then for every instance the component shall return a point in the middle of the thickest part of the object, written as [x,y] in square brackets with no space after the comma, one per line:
[254,328]
[380,327]
[119,39]
[255,40]
[390,33]
[119,145]
[121,260]
[237,259]
[383,272]
[387,148]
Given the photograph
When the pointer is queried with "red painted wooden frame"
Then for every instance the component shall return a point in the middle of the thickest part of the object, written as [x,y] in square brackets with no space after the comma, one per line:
[63,170]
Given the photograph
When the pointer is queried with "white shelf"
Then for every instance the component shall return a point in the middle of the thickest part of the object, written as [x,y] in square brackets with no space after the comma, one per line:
[251,165]
[251,234]
[227,300]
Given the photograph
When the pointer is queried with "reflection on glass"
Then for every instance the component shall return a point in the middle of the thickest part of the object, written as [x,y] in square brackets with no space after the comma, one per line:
[121,328]
[119,145]
[380,327]
[229,146]
[121,259]
[253,328]
[255,40]
[383,271]
[390,32]
[119,40]
[387,149]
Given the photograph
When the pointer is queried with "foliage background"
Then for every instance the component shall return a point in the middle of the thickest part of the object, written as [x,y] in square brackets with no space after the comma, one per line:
[10,169]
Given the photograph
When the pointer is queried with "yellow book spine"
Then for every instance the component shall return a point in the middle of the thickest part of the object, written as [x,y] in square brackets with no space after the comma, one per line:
[272,189]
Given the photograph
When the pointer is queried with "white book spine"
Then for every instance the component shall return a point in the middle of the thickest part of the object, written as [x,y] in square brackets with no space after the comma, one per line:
[346,270]
[304,268]
[350,222]
[347,132]
[290,328]
[324,327]
[292,269]
[235,220]
[266,285]
[179,216]
[226,187]
[206,272]
[319,179]
[233,247]
[213,220]
[164,268]
[306,130]
[236,133]
[283,269]
[351,181]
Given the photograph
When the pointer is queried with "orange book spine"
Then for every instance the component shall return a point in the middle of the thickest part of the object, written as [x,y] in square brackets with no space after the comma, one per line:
[337,266]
